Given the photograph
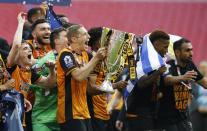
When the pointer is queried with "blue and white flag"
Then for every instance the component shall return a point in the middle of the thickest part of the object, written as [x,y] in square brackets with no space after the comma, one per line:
[11,111]
[150,60]
[54,21]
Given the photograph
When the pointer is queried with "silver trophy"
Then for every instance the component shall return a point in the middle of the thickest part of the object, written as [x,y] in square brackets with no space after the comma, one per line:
[117,43]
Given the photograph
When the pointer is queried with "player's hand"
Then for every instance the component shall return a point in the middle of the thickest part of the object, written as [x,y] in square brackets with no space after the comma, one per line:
[119,125]
[119,85]
[21,17]
[101,53]
[28,105]
[50,65]
[189,76]
[162,69]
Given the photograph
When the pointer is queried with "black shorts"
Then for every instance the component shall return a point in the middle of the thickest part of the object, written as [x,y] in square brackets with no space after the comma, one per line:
[77,125]
[99,125]
[184,125]
[140,124]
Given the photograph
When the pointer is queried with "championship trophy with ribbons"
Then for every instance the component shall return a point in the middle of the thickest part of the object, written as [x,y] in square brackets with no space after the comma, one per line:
[119,56]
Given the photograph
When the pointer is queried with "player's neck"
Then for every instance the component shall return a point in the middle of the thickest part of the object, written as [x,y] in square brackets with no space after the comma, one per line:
[181,63]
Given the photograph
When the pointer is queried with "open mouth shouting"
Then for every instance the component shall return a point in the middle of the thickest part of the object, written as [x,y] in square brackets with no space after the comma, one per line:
[29,56]
[86,42]
[46,37]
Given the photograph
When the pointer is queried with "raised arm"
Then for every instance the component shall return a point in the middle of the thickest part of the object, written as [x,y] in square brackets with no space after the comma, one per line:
[188,76]
[82,73]
[11,59]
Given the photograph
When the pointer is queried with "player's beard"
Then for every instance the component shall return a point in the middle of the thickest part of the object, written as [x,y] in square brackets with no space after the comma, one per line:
[41,41]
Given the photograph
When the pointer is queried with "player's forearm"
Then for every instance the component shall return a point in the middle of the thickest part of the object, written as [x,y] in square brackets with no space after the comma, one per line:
[171,80]
[148,80]
[11,59]
[51,78]
[83,72]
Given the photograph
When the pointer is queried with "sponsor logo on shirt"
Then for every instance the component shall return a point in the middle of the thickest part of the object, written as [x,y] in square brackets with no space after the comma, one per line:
[68,61]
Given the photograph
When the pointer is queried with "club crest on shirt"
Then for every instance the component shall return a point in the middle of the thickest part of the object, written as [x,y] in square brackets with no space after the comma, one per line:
[68,61]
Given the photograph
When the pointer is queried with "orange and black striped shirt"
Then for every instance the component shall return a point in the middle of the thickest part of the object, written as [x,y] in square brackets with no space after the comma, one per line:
[72,101]
[23,78]
[99,102]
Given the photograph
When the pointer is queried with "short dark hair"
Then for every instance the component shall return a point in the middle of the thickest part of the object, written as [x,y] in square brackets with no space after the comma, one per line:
[67,25]
[157,35]
[61,15]
[37,22]
[177,44]
[32,12]
[54,35]
[5,48]
[95,34]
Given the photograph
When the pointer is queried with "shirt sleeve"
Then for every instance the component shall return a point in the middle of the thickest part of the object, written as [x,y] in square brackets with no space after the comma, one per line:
[34,76]
[199,75]
[11,69]
[67,61]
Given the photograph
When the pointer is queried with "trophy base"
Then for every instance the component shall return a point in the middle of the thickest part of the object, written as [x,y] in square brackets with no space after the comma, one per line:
[107,87]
